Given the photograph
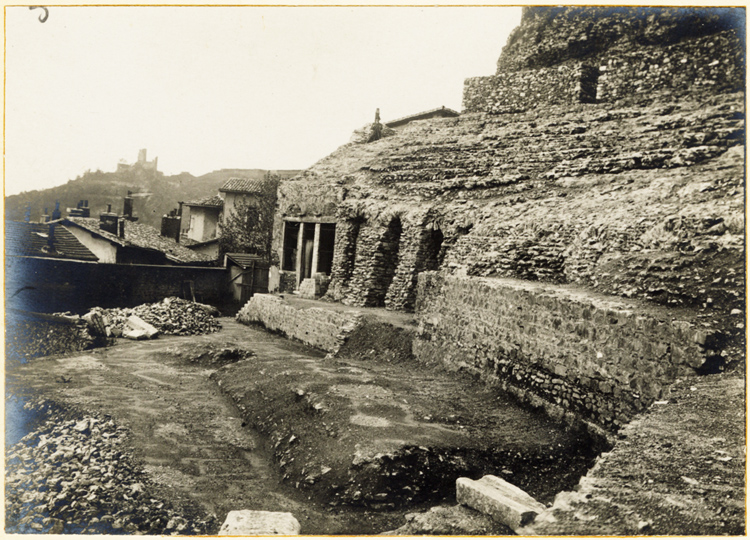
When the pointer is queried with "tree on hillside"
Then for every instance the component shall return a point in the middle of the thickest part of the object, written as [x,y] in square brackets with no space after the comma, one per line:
[248,228]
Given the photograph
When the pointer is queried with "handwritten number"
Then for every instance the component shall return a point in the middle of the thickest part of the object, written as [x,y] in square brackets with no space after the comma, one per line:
[43,17]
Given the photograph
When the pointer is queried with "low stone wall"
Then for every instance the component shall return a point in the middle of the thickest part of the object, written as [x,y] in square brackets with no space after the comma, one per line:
[598,358]
[521,90]
[324,329]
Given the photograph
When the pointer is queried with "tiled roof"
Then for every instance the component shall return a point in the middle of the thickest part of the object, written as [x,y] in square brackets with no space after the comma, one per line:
[143,236]
[244,260]
[243,185]
[212,201]
[31,239]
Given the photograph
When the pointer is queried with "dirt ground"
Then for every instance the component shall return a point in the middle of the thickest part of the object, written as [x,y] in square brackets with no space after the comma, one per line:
[347,446]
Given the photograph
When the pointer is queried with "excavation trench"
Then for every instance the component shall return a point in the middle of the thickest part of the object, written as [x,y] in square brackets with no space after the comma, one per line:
[245,419]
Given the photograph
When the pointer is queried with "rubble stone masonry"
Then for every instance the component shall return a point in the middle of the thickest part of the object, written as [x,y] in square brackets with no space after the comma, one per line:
[705,63]
[521,90]
[323,329]
[601,358]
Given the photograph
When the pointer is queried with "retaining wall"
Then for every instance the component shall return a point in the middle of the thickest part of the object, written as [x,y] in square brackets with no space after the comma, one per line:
[600,358]
[323,329]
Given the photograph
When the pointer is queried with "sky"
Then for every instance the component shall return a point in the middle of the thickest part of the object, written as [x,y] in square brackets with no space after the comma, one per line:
[206,88]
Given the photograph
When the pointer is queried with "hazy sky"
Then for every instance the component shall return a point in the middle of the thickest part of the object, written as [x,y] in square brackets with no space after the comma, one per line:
[205,88]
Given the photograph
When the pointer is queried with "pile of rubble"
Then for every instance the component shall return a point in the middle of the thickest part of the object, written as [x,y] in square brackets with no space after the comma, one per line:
[172,316]
[72,476]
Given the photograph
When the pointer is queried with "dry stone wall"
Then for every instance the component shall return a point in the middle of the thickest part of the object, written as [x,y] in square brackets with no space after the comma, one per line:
[521,90]
[712,62]
[586,55]
[320,328]
[601,358]
[549,36]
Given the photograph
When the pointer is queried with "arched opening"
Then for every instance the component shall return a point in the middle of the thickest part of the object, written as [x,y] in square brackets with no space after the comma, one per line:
[434,252]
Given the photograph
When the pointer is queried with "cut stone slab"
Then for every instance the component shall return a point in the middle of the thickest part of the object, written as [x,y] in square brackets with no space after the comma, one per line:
[259,523]
[137,328]
[501,500]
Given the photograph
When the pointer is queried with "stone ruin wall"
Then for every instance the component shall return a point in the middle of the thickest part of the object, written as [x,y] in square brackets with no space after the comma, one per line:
[304,198]
[600,358]
[634,198]
[521,90]
[323,329]
[711,62]
[377,259]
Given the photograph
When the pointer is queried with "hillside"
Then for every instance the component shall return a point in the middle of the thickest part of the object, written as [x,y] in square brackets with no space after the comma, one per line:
[153,194]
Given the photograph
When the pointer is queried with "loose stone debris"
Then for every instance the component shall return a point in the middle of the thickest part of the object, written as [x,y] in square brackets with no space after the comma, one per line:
[171,316]
[72,475]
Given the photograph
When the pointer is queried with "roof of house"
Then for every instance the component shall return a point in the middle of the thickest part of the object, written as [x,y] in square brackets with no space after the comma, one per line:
[32,239]
[212,201]
[141,236]
[195,244]
[440,111]
[243,185]
[243,260]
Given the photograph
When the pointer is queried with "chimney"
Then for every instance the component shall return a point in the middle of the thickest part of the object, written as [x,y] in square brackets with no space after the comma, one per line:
[127,207]
[56,212]
[170,226]
[108,221]
[45,216]
[121,228]
[81,210]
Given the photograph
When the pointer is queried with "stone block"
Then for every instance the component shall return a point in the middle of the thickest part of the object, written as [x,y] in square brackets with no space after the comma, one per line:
[259,523]
[137,328]
[501,500]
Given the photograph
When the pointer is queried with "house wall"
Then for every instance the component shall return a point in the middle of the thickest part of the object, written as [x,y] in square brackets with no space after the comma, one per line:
[231,200]
[203,223]
[103,249]
[50,285]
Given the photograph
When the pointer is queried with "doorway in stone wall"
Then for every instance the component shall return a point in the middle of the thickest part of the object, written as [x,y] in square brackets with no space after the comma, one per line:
[434,252]
[386,262]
